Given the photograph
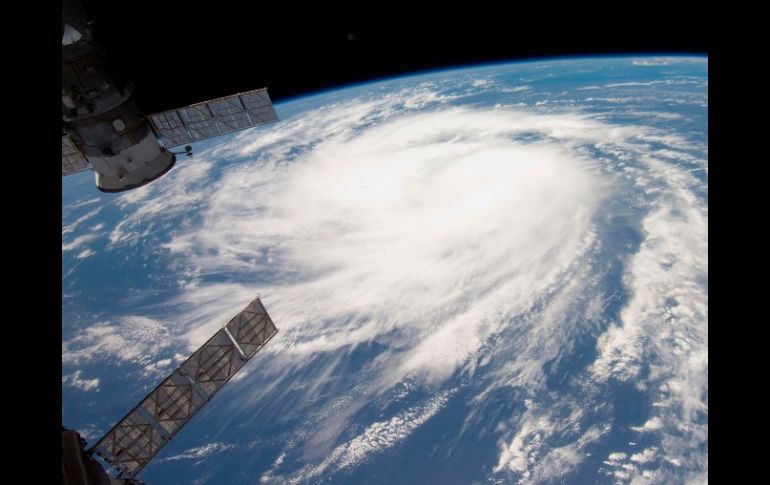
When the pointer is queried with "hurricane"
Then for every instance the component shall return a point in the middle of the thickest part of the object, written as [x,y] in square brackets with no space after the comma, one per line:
[488,275]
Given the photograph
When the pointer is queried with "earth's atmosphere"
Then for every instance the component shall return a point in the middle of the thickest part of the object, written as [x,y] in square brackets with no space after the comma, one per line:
[495,274]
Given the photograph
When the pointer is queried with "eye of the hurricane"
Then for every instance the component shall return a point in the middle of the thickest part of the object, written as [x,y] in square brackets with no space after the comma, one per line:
[413,213]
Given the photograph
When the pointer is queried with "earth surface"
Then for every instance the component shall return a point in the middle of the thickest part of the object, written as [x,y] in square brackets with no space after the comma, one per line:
[494,274]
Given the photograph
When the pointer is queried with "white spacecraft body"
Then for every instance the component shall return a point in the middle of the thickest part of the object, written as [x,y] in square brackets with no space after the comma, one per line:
[105,131]
[133,167]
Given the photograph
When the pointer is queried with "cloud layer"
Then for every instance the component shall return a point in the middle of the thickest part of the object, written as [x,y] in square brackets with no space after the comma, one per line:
[466,244]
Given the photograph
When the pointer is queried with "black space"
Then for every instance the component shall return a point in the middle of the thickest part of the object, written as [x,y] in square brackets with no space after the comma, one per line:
[178,53]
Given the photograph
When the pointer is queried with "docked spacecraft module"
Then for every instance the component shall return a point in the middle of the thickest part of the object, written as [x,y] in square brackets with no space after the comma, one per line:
[103,129]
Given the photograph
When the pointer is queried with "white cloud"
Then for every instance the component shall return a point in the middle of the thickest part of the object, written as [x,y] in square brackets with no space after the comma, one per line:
[529,456]
[635,468]
[656,114]
[645,456]
[516,89]
[133,339]
[159,368]
[75,380]
[652,424]
[84,203]
[666,61]
[71,227]
[374,439]
[81,240]
[200,452]
[183,187]
[516,456]
[422,99]
[634,84]
[85,253]
[664,326]
[78,242]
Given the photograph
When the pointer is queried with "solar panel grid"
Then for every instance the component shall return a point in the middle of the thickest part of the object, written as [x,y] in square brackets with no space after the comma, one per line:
[72,161]
[138,437]
[214,117]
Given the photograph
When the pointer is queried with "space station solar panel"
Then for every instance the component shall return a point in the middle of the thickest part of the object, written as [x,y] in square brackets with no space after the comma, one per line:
[213,118]
[259,106]
[138,437]
[170,127]
[72,161]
